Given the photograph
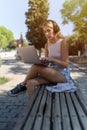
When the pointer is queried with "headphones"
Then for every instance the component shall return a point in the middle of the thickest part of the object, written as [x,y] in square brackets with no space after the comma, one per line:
[56,28]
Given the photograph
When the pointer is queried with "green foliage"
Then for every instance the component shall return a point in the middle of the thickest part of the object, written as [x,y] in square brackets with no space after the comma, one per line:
[3,80]
[76,43]
[5,37]
[35,16]
[76,12]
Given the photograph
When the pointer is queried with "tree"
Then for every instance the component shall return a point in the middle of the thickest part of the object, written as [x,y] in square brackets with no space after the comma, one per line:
[75,11]
[6,36]
[35,16]
[75,44]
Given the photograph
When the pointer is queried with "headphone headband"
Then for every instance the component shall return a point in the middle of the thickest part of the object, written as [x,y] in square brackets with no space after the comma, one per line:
[56,28]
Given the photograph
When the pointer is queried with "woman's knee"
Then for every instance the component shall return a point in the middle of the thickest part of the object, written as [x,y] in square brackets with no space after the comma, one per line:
[35,66]
[38,67]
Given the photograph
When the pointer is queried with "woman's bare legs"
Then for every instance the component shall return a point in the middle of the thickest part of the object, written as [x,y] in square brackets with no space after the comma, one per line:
[46,73]
[34,83]
[39,75]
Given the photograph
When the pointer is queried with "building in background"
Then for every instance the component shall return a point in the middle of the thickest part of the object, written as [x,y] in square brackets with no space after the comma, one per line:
[18,42]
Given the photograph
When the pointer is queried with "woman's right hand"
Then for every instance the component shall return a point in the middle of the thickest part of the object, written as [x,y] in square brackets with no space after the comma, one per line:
[46,60]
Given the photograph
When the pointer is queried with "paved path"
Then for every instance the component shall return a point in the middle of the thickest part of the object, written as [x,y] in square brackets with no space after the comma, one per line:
[12,108]
[79,75]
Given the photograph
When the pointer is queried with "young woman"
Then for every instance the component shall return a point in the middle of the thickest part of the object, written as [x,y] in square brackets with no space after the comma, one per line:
[56,55]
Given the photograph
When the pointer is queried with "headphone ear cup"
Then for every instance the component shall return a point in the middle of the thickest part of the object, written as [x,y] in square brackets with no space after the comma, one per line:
[56,28]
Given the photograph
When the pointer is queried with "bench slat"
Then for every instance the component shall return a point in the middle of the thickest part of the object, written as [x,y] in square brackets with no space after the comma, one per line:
[72,113]
[31,119]
[42,104]
[81,115]
[39,117]
[47,114]
[65,116]
[56,115]
[81,100]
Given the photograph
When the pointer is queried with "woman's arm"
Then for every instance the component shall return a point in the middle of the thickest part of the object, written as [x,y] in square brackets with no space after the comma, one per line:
[63,60]
[45,60]
[46,50]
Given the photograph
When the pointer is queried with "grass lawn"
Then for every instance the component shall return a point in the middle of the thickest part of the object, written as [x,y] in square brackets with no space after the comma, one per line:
[3,80]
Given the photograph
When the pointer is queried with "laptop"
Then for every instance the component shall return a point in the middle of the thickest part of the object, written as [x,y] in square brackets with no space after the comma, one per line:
[29,54]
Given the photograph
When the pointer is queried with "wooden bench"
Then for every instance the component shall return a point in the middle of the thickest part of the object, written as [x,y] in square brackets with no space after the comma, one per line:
[54,111]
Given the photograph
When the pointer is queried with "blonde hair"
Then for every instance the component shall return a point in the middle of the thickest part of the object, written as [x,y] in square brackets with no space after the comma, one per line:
[60,35]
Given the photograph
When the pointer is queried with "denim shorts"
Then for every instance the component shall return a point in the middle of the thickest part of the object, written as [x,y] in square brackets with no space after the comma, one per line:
[64,71]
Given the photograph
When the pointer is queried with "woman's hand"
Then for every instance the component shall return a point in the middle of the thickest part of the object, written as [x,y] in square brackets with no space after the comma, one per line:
[46,60]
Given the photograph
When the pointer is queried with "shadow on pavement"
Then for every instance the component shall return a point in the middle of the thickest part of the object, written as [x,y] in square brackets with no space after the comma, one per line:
[16,66]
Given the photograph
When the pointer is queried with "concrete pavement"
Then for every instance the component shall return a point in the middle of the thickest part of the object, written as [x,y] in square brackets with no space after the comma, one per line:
[79,75]
[12,108]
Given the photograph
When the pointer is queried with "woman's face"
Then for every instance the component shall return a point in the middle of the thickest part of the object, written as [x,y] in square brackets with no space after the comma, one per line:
[48,31]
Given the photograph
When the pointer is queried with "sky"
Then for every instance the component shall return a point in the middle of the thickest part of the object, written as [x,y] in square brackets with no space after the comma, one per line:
[12,16]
